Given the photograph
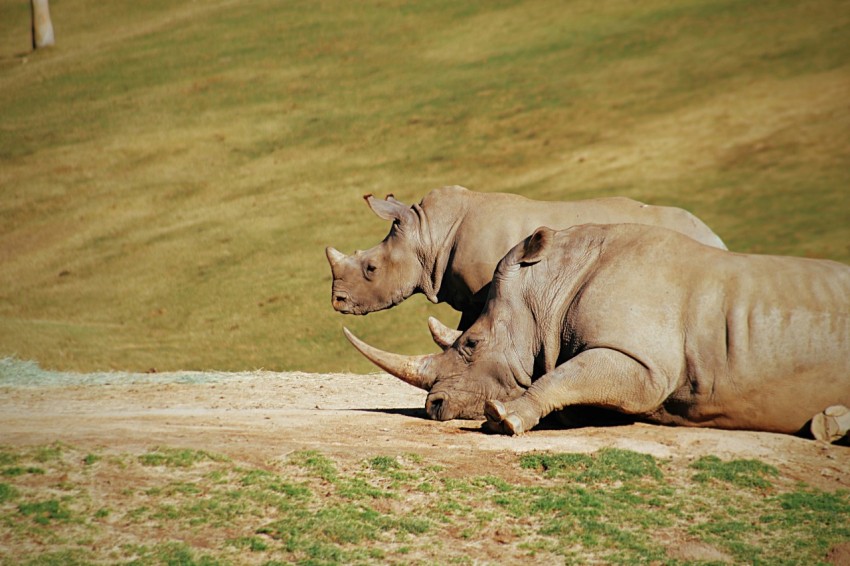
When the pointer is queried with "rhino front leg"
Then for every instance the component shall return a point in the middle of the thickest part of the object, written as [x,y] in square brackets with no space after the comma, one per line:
[599,377]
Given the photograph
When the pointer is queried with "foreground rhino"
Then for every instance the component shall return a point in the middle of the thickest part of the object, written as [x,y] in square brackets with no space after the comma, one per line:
[448,245]
[646,322]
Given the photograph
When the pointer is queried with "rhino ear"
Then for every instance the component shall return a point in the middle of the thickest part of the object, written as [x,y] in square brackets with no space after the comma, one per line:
[389,209]
[535,246]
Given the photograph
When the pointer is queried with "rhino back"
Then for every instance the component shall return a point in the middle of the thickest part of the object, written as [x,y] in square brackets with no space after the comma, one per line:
[786,337]
[488,225]
[726,332]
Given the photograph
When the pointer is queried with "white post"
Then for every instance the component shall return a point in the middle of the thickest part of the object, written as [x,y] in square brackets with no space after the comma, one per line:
[42,27]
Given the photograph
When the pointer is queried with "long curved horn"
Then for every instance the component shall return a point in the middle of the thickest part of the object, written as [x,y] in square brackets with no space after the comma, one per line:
[334,256]
[409,369]
[443,335]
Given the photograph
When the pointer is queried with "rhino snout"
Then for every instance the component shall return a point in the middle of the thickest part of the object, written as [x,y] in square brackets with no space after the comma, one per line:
[341,301]
[441,406]
[436,405]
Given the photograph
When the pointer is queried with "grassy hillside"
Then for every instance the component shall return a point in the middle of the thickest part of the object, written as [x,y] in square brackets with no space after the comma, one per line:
[171,172]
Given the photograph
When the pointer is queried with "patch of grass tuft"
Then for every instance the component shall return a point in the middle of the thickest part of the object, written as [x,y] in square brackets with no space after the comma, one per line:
[741,473]
[43,512]
[178,457]
[71,557]
[254,544]
[180,554]
[266,480]
[7,492]
[8,458]
[45,454]
[360,488]
[823,504]
[607,465]
[316,463]
[554,464]
[91,459]
[384,463]
[19,471]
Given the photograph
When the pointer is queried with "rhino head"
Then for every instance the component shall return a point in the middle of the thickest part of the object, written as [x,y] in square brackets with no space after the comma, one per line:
[494,359]
[387,274]
[458,380]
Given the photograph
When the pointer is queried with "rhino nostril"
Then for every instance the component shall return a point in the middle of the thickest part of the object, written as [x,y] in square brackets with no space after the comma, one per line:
[435,406]
[340,298]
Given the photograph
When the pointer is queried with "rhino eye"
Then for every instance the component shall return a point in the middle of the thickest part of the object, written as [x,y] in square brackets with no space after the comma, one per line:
[467,348]
[370,269]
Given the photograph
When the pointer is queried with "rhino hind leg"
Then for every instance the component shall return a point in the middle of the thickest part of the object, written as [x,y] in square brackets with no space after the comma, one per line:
[832,424]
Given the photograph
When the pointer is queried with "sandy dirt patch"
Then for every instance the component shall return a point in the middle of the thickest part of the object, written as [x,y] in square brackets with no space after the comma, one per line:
[263,415]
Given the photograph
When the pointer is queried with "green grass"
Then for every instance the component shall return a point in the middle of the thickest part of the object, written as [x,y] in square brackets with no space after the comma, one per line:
[614,506]
[742,473]
[175,458]
[170,174]
[610,464]
[43,512]
[7,492]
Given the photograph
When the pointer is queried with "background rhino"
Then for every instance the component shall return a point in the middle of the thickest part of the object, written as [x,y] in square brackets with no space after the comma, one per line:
[647,322]
[448,245]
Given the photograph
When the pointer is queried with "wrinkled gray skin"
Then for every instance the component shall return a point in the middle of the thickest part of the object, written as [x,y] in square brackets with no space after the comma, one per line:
[448,245]
[646,322]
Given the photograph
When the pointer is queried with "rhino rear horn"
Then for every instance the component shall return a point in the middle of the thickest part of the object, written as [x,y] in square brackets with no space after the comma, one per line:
[410,369]
[443,335]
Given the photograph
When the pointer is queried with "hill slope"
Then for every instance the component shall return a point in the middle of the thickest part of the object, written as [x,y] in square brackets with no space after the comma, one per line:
[170,173]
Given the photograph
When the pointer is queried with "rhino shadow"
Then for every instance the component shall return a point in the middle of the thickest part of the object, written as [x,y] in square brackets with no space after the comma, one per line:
[414,412]
[576,417]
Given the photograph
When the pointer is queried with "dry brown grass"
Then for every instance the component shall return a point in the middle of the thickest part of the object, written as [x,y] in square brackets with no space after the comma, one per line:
[170,174]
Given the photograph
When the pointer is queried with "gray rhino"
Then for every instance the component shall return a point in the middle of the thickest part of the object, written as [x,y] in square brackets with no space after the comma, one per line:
[448,245]
[647,322]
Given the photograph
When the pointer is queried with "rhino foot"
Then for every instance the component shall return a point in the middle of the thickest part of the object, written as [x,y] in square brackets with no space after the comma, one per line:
[501,421]
[832,424]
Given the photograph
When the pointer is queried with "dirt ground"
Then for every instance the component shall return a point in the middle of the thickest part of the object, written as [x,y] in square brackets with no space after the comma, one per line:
[259,416]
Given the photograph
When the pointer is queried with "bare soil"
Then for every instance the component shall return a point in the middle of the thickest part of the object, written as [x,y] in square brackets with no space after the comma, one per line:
[260,416]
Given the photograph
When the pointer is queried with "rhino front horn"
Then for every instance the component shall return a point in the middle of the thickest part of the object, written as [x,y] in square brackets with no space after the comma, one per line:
[334,256]
[410,369]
